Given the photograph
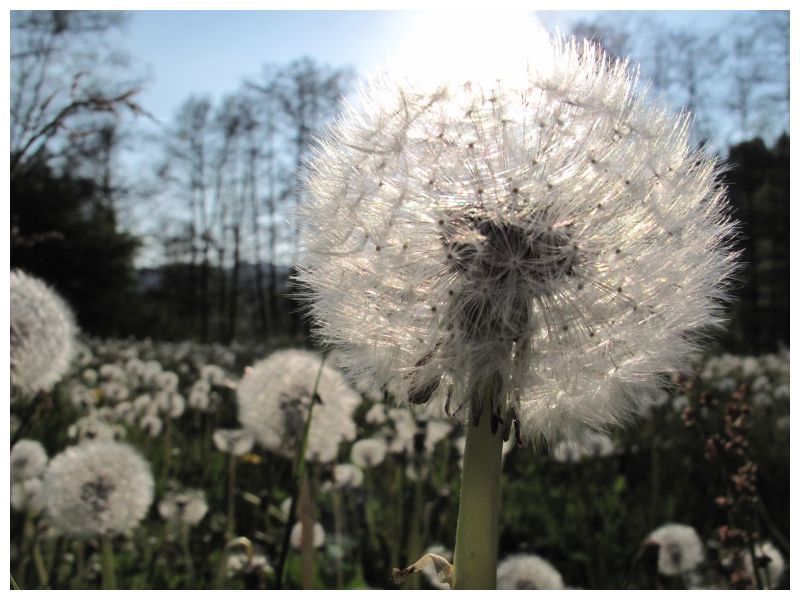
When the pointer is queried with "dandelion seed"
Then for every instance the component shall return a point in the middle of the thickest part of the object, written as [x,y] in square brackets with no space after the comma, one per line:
[680,549]
[527,572]
[97,488]
[575,311]
[274,397]
[42,334]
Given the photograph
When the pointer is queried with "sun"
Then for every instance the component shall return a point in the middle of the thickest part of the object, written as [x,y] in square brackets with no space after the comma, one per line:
[466,45]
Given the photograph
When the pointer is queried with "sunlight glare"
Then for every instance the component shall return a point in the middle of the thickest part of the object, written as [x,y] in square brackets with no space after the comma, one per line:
[469,46]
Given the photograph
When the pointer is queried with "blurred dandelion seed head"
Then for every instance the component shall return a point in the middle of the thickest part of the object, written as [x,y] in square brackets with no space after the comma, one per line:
[42,334]
[233,441]
[186,506]
[368,453]
[680,548]
[527,572]
[296,536]
[97,488]
[550,230]
[274,397]
[28,460]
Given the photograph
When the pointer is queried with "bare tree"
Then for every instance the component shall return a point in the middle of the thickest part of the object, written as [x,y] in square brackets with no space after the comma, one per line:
[59,83]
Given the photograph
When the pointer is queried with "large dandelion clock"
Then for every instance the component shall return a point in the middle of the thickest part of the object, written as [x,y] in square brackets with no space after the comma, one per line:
[42,334]
[549,233]
[97,489]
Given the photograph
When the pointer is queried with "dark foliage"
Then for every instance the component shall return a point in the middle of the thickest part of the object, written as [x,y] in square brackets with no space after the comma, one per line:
[64,232]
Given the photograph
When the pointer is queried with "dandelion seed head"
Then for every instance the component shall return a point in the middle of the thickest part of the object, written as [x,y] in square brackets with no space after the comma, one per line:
[186,506]
[368,453]
[296,536]
[27,495]
[42,334]
[376,415]
[97,488]
[93,428]
[551,232]
[680,548]
[233,441]
[28,460]
[347,475]
[527,572]
[770,573]
[274,396]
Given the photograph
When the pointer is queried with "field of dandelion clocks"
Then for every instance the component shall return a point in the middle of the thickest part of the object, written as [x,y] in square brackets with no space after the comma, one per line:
[517,321]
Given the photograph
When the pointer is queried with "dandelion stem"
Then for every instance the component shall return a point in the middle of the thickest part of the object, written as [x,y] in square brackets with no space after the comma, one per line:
[230,531]
[306,517]
[187,553]
[38,561]
[475,558]
[109,578]
[299,470]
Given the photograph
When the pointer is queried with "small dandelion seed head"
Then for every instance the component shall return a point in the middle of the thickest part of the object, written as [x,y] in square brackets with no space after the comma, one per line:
[296,536]
[42,334]
[680,548]
[771,572]
[507,271]
[527,572]
[347,476]
[274,397]
[233,441]
[186,506]
[27,495]
[368,453]
[28,460]
[97,488]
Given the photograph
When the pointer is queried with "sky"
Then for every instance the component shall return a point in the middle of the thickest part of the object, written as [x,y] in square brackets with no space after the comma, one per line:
[210,52]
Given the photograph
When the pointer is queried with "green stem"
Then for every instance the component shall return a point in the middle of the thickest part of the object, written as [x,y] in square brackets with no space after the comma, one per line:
[298,472]
[337,530]
[306,516]
[231,530]
[38,561]
[187,554]
[109,578]
[475,557]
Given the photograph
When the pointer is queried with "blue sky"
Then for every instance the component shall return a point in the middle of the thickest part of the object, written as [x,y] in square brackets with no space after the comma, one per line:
[210,52]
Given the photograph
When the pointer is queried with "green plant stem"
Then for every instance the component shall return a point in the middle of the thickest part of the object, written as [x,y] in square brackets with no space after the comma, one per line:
[38,561]
[338,529]
[230,531]
[109,578]
[298,473]
[475,557]
[306,516]
[187,554]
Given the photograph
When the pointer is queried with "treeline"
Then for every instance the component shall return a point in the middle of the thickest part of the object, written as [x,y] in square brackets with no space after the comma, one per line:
[213,209]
